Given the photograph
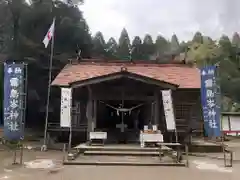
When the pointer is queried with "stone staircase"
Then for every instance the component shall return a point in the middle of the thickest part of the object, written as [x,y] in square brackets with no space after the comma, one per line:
[121,155]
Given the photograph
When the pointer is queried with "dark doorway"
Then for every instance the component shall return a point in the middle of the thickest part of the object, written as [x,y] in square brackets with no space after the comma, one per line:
[121,119]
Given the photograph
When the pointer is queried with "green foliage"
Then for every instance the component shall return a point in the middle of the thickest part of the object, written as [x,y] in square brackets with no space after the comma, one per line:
[23,26]
[236,40]
[111,48]
[124,46]
[162,45]
[137,48]
[174,43]
[99,45]
[225,46]
[202,54]
[148,47]
[197,38]
[22,29]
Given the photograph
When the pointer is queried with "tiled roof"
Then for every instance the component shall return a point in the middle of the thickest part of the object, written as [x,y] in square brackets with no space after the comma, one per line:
[181,75]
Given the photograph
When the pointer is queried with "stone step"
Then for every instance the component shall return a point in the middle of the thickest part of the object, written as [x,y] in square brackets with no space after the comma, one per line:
[98,163]
[121,153]
[83,148]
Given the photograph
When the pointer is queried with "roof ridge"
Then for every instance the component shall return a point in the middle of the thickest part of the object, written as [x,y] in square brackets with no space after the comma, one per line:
[132,64]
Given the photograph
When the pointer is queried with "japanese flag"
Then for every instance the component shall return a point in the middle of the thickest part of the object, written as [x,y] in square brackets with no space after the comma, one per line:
[49,34]
[71,2]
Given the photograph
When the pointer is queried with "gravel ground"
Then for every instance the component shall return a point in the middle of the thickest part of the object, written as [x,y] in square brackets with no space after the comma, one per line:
[200,168]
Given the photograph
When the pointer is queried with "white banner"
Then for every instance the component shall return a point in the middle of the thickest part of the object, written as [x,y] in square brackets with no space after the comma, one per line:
[168,109]
[66,103]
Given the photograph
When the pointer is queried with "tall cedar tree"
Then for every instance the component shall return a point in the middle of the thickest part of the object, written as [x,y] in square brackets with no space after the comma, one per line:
[124,46]
[137,49]
[99,45]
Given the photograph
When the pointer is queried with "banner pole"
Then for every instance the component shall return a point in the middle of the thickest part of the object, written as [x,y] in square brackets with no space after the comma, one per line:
[24,110]
[70,123]
[220,113]
[44,147]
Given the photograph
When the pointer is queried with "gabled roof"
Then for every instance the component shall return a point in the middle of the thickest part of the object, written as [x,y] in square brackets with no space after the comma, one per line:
[179,75]
[124,75]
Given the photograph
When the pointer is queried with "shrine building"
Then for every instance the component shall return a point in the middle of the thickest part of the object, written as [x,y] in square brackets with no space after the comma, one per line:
[122,97]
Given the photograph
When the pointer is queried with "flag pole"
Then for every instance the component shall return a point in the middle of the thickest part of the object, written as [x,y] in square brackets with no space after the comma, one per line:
[44,147]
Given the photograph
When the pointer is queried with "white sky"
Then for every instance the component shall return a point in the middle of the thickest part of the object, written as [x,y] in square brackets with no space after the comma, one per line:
[165,17]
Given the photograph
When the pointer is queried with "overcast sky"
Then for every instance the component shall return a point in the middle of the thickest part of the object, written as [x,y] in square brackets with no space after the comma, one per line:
[165,17]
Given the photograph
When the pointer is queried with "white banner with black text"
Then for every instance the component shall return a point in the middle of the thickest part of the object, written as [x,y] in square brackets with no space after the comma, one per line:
[66,104]
[168,109]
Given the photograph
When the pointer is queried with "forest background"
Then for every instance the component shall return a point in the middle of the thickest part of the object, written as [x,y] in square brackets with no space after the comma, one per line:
[23,26]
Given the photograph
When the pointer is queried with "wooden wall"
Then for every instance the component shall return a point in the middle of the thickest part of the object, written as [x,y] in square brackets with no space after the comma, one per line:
[187,104]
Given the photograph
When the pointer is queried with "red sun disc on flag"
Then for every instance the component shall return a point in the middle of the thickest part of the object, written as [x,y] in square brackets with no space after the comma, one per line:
[49,35]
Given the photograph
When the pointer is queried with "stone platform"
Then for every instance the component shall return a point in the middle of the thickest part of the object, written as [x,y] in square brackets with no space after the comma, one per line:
[203,146]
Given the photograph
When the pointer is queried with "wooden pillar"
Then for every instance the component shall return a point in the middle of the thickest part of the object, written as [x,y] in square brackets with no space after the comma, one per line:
[156,108]
[89,112]
[94,120]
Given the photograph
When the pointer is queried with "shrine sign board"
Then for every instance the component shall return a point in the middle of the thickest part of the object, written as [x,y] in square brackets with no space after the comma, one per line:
[168,109]
[66,104]
[13,101]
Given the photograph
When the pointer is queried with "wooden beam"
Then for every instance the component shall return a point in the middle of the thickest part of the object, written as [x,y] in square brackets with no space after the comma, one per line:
[126,88]
[108,92]
[126,97]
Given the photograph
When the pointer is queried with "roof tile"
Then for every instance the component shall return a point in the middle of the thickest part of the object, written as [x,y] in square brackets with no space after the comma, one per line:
[184,76]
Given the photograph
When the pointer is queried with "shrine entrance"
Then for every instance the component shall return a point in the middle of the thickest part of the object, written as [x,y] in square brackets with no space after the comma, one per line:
[122,120]
[119,106]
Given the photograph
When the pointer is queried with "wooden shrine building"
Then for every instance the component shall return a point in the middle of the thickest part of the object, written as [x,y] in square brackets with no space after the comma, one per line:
[100,88]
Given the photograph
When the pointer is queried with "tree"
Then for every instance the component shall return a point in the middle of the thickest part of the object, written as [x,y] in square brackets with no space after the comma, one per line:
[137,53]
[28,24]
[124,45]
[174,43]
[148,39]
[111,49]
[148,47]
[13,10]
[183,46]
[197,38]
[225,46]
[236,40]
[99,45]
[208,39]
[5,27]
[203,54]
[162,45]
